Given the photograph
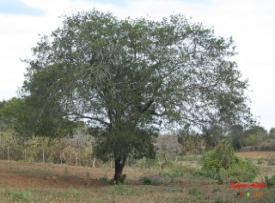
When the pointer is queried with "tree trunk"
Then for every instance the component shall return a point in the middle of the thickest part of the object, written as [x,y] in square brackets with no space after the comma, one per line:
[43,154]
[8,152]
[76,159]
[60,157]
[25,154]
[94,162]
[119,165]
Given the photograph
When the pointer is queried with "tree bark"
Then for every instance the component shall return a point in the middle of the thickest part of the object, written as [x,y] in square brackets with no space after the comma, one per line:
[8,152]
[119,165]
[60,157]
[94,162]
[25,154]
[43,155]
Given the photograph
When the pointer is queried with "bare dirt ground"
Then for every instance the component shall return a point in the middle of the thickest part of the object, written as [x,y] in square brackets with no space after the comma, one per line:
[21,174]
[257,154]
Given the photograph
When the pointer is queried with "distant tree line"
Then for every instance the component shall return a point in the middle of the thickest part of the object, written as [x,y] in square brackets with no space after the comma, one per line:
[78,149]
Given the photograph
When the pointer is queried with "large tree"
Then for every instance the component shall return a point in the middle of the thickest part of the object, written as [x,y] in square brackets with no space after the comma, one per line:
[129,78]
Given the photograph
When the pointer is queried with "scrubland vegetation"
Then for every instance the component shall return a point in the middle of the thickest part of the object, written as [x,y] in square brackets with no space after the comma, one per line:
[171,177]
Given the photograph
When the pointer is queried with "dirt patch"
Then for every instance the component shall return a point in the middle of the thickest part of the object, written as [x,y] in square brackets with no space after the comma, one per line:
[18,174]
[46,175]
[257,154]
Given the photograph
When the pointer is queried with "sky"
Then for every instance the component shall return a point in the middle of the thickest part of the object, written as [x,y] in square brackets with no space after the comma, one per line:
[251,23]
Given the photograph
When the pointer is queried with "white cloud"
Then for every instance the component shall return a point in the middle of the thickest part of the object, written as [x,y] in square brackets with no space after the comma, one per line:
[249,22]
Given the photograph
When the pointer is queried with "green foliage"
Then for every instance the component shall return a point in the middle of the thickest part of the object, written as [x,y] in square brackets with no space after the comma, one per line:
[121,77]
[24,196]
[222,164]
[212,135]
[272,133]
[24,116]
[260,161]
[194,191]
[190,141]
[221,157]
[253,136]
[104,180]
[152,180]
[121,179]
[236,143]
[270,182]
[271,162]
[242,170]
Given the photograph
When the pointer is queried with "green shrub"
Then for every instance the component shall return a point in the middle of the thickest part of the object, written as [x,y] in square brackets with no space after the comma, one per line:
[104,180]
[270,182]
[21,196]
[242,170]
[222,164]
[194,191]
[154,180]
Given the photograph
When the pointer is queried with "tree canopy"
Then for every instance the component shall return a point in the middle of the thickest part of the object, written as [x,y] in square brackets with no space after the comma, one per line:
[128,78]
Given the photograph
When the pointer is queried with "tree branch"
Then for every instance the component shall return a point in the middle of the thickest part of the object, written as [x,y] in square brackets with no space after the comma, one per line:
[91,118]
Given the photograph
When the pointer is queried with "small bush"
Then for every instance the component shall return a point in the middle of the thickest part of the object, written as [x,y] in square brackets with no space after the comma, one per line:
[270,182]
[104,180]
[153,180]
[242,170]
[222,164]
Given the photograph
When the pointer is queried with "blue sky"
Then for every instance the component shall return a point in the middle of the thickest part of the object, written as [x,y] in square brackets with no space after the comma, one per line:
[17,7]
[249,22]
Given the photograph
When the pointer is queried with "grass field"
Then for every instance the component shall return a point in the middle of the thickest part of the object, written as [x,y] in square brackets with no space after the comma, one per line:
[38,182]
